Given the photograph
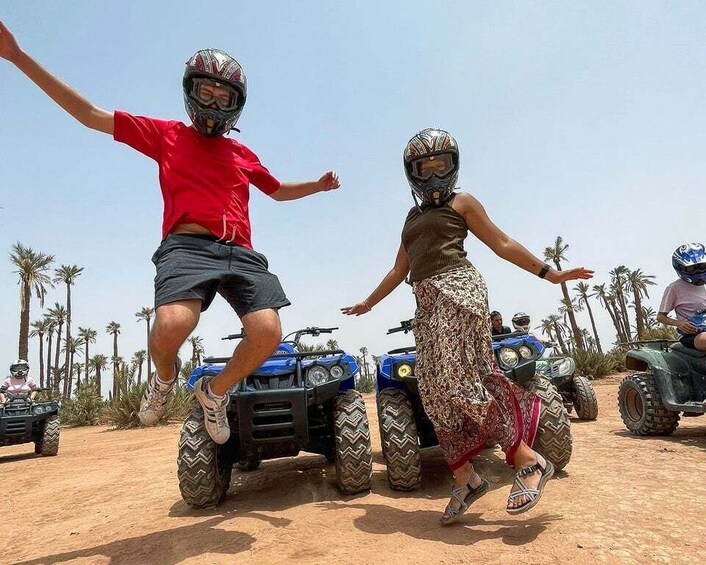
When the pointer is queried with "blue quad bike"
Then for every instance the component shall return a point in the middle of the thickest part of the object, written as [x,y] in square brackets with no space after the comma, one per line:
[405,427]
[296,401]
[576,390]
[669,382]
[23,420]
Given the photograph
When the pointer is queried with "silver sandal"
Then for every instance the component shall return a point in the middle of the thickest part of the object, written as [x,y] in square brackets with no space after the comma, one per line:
[452,514]
[533,494]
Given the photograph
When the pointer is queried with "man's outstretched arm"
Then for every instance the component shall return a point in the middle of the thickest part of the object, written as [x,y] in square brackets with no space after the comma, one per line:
[65,96]
[296,190]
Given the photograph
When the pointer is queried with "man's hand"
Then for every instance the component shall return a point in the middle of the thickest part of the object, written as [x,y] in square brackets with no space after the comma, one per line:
[328,181]
[686,327]
[8,45]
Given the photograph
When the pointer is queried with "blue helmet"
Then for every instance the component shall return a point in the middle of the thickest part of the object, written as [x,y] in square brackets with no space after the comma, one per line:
[689,261]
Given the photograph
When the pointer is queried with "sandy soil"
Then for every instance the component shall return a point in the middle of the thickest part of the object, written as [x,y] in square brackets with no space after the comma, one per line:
[112,497]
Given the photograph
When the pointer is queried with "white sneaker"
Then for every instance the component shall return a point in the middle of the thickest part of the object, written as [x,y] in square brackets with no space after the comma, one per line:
[155,400]
[215,417]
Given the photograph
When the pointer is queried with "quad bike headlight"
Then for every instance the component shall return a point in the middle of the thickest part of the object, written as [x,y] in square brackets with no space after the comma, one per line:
[508,357]
[317,375]
[337,371]
[525,352]
[565,367]
[404,370]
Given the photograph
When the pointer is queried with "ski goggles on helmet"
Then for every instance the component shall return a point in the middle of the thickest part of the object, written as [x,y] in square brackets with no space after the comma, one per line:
[434,165]
[208,91]
[20,368]
[698,269]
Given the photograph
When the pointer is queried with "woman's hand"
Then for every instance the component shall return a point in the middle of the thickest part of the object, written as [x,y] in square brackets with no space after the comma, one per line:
[357,309]
[8,45]
[558,277]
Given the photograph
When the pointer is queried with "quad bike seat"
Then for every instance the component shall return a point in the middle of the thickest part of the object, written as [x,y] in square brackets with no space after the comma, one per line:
[679,348]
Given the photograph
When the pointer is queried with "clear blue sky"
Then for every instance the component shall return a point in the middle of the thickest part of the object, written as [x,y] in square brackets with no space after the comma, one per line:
[584,119]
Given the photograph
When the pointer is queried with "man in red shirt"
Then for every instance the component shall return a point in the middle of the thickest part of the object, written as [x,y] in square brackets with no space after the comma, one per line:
[206,247]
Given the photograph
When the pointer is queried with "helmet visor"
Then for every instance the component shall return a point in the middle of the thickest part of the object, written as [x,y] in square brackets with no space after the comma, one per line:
[207,91]
[522,321]
[435,165]
[698,269]
[19,368]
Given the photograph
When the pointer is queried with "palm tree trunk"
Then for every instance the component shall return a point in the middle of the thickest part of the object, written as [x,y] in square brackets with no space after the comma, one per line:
[57,373]
[557,332]
[98,381]
[41,361]
[593,326]
[639,320]
[572,318]
[49,343]
[67,364]
[23,346]
[87,375]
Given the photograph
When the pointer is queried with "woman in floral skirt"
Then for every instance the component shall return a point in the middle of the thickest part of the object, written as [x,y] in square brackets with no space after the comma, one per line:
[465,394]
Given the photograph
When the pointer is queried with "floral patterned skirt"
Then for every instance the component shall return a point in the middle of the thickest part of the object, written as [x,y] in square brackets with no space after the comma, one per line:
[465,394]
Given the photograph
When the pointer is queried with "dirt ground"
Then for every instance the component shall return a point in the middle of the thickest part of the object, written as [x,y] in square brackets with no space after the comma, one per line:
[111,497]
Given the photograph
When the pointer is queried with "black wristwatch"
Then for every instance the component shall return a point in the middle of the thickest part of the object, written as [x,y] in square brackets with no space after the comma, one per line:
[544,271]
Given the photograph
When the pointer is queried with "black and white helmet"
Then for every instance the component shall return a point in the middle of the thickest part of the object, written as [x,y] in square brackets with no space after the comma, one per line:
[216,68]
[19,369]
[431,162]
[521,322]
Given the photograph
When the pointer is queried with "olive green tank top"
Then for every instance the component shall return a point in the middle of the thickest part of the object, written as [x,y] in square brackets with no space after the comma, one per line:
[433,239]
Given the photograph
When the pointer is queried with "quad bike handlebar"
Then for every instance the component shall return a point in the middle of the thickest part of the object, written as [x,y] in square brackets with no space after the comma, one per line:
[405,326]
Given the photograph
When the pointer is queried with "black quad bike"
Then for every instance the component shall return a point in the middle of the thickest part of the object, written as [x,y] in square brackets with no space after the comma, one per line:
[296,401]
[670,381]
[405,427]
[23,420]
[576,391]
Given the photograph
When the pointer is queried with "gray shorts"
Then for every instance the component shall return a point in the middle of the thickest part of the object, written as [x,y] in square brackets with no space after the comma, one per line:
[197,266]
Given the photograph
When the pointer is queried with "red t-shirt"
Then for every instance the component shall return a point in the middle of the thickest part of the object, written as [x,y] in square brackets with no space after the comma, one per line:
[204,180]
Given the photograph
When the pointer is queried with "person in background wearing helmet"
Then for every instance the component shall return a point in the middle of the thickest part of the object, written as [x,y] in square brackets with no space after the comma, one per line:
[496,324]
[19,381]
[687,296]
[465,394]
[521,322]
[206,247]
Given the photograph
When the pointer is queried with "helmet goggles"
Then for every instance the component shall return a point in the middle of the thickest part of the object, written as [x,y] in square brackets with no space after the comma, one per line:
[698,269]
[440,165]
[19,368]
[207,91]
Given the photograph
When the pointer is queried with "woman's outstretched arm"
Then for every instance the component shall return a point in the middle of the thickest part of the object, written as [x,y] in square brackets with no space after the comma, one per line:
[504,246]
[389,283]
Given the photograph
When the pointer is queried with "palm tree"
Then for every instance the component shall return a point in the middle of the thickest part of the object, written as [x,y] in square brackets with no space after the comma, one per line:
[72,346]
[99,363]
[547,328]
[619,281]
[606,300]
[113,328]
[650,318]
[363,356]
[138,359]
[582,288]
[146,315]
[638,282]
[559,332]
[332,344]
[58,316]
[556,254]
[32,268]
[39,328]
[67,274]
[196,349]
[51,326]
[88,336]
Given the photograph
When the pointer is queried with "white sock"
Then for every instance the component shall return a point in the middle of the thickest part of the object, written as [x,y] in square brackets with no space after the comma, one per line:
[213,395]
[161,385]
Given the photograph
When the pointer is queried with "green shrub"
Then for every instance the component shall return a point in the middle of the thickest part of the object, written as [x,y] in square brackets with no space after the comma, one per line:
[663,332]
[122,413]
[85,409]
[595,365]
[364,384]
